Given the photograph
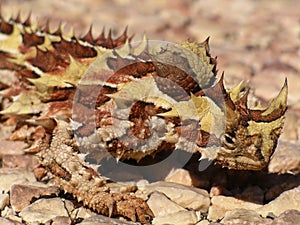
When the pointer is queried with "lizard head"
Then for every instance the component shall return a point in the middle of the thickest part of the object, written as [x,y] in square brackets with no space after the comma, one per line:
[250,135]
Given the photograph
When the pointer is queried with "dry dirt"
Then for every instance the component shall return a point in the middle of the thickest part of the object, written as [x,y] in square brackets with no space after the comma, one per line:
[257,41]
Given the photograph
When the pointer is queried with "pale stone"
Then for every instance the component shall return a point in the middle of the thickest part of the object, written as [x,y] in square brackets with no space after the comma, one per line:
[288,200]
[5,221]
[68,205]
[289,217]
[185,177]
[244,216]
[27,162]
[9,214]
[160,205]
[82,212]
[43,210]
[222,204]
[4,200]
[203,222]
[12,147]
[103,220]
[142,183]
[180,176]
[59,220]
[22,194]
[177,218]
[8,177]
[187,197]
[7,211]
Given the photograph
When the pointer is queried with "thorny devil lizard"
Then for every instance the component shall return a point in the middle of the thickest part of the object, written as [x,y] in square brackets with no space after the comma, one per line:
[72,97]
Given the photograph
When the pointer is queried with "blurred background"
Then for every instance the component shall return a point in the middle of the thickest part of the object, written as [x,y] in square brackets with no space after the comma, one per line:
[255,40]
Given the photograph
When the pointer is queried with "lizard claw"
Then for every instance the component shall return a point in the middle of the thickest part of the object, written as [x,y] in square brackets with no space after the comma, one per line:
[132,207]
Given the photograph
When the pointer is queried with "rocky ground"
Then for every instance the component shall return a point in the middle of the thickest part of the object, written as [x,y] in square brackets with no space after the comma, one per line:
[258,41]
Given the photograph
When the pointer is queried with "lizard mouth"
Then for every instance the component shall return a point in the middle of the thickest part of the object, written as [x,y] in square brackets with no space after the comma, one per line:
[240,162]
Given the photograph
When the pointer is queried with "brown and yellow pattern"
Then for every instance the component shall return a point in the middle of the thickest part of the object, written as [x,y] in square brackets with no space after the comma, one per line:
[71,96]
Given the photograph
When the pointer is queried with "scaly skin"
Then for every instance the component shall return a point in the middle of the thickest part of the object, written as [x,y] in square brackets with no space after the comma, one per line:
[81,95]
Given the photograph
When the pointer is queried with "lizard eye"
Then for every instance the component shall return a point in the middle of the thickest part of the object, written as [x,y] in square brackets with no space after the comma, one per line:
[228,141]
